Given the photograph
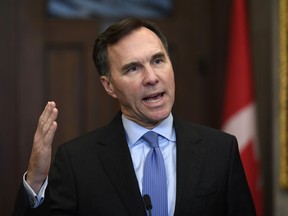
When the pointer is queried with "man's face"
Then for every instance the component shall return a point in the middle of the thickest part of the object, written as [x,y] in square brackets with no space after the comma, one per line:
[142,77]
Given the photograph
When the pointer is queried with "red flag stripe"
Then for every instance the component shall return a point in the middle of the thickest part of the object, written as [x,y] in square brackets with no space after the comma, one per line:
[239,111]
[239,63]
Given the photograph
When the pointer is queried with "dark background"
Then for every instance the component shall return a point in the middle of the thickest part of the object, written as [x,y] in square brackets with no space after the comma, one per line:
[44,58]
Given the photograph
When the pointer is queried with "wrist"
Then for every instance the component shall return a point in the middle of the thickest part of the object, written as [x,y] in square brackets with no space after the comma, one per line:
[34,181]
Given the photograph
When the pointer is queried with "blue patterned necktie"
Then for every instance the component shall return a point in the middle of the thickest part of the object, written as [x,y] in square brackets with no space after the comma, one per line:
[154,178]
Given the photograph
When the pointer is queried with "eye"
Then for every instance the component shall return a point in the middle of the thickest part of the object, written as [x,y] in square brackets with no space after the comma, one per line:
[133,68]
[158,60]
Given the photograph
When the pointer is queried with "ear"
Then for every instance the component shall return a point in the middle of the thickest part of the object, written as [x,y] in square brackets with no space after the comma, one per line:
[108,86]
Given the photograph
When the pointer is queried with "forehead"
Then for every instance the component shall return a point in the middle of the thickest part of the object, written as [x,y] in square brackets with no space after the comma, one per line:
[138,43]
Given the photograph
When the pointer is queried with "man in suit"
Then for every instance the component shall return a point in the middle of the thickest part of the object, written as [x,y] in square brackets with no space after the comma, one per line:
[103,172]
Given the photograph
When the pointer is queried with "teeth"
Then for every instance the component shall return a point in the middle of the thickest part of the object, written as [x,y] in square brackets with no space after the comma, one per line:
[153,99]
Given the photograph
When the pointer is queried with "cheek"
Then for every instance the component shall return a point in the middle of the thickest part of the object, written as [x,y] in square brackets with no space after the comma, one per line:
[133,94]
[128,94]
[170,81]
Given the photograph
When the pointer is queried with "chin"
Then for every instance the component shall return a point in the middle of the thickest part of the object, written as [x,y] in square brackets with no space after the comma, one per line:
[158,117]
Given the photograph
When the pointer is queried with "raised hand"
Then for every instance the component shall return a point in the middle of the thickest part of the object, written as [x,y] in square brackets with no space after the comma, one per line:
[40,159]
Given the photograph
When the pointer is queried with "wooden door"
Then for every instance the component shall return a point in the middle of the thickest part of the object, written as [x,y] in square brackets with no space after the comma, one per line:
[71,80]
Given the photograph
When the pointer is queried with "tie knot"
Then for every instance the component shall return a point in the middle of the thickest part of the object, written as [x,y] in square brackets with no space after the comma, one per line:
[151,138]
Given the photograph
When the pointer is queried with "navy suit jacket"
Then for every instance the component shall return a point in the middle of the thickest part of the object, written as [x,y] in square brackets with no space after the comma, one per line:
[94,175]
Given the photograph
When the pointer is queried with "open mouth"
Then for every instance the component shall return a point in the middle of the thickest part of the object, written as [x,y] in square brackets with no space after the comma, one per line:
[153,98]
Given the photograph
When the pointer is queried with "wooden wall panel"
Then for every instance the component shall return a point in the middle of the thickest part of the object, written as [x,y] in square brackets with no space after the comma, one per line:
[83,104]
[20,91]
[64,83]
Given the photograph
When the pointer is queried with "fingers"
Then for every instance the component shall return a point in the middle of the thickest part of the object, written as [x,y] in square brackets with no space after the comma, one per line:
[51,119]
[40,157]
[46,112]
[47,118]
[50,135]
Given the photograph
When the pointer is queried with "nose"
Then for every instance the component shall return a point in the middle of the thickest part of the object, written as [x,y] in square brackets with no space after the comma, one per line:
[150,77]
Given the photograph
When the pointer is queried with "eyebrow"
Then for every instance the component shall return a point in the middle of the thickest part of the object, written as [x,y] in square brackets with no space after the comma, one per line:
[158,55]
[131,64]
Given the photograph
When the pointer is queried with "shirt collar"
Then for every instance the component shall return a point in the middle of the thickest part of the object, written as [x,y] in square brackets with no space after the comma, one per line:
[135,131]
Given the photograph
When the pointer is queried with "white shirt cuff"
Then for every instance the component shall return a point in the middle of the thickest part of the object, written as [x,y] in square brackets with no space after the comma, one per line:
[35,199]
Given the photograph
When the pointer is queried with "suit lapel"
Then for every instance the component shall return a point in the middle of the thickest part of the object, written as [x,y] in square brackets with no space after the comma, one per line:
[189,163]
[117,162]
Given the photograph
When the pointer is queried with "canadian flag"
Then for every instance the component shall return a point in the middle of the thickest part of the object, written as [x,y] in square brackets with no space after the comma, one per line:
[239,114]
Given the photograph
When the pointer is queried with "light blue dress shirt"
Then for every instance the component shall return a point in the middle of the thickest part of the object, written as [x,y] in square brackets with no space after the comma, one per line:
[139,150]
[35,199]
